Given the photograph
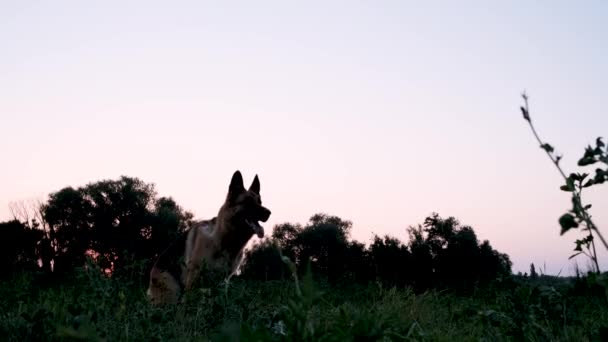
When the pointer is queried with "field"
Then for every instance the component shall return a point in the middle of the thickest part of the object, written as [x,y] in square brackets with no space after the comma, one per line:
[90,306]
[377,171]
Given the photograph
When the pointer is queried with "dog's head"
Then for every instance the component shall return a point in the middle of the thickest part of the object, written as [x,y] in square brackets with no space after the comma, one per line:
[245,205]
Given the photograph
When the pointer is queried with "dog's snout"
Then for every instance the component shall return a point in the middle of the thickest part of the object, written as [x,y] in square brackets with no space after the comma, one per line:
[264,214]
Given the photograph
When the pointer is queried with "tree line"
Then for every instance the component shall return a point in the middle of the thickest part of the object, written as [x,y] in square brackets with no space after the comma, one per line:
[122,225]
[440,253]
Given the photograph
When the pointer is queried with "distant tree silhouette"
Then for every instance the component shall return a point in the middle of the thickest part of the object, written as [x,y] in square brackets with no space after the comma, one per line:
[458,260]
[391,261]
[493,263]
[168,220]
[285,236]
[19,247]
[31,217]
[533,273]
[440,253]
[422,265]
[67,214]
[325,242]
[263,262]
[358,267]
[122,225]
[117,222]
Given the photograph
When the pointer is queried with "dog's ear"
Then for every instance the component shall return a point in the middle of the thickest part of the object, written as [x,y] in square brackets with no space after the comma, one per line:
[255,185]
[236,185]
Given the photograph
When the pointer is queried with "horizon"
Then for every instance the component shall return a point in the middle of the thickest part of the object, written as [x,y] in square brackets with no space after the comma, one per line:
[378,115]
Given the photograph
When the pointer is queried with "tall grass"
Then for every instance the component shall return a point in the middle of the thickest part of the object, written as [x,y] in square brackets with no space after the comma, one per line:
[90,306]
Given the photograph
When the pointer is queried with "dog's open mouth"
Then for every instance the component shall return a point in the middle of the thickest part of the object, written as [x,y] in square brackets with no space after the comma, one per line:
[257,228]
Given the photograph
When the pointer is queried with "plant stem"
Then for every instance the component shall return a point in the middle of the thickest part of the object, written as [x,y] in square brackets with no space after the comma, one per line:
[590,227]
[555,161]
[576,193]
[589,222]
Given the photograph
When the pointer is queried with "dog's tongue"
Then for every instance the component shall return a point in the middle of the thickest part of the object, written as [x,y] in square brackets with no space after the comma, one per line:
[257,228]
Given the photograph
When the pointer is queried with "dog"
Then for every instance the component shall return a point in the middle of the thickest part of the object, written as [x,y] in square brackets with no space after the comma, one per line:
[217,243]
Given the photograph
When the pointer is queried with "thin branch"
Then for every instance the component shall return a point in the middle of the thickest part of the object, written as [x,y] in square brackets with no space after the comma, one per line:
[540,142]
[575,192]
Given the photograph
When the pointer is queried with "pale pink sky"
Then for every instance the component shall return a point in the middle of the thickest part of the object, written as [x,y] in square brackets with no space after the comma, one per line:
[378,112]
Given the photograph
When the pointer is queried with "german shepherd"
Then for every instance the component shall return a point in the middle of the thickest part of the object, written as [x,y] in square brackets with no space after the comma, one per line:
[217,243]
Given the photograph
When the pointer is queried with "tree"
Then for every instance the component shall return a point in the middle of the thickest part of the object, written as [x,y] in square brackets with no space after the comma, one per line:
[263,262]
[391,261]
[533,273]
[67,213]
[30,215]
[18,247]
[324,241]
[450,255]
[440,253]
[117,222]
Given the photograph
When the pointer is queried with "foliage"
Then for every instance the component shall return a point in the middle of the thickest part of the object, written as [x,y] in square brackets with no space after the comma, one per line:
[579,215]
[440,254]
[122,225]
[305,283]
[264,262]
[118,222]
[458,260]
[19,247]
[90,306]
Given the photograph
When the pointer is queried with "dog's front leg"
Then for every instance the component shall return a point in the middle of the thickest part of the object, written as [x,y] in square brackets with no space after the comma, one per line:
[192,271]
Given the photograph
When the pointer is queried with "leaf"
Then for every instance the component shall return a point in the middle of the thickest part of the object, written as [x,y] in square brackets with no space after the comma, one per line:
[579,243]
[578,177]
[524,111]
[599,143]
[569,184]
[600,176]
[588,184]
[567,222]
[586,161]
[588,158]
[587,207]
[547,147]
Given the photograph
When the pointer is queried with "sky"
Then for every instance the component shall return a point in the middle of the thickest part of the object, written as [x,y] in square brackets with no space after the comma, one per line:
[378,112]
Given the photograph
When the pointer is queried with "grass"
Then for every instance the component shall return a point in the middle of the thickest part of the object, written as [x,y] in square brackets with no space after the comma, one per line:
[92,307]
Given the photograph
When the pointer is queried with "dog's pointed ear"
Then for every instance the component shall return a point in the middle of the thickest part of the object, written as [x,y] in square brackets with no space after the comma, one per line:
[255,185]
[236,185]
